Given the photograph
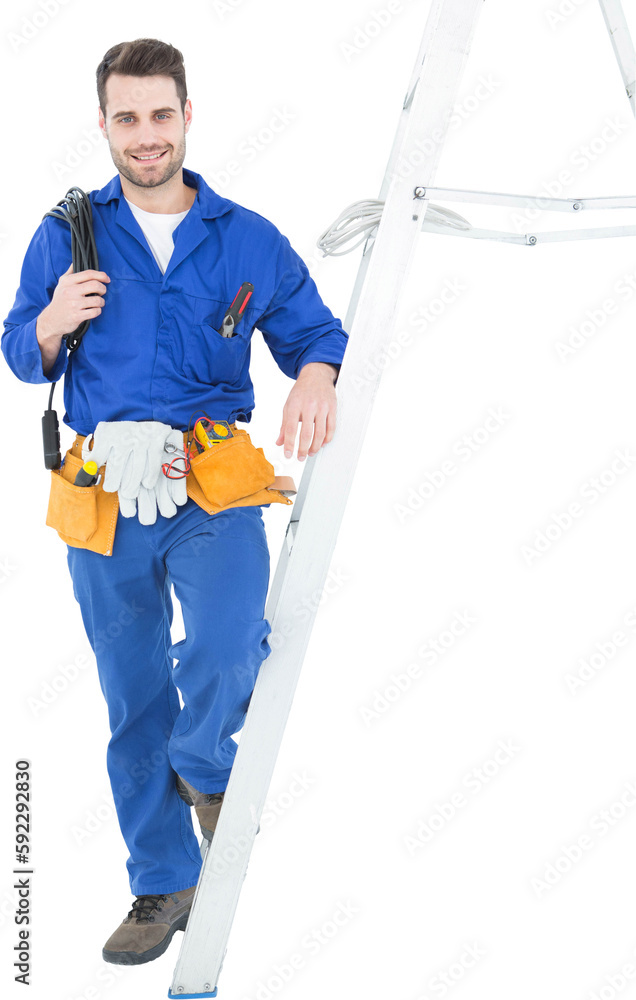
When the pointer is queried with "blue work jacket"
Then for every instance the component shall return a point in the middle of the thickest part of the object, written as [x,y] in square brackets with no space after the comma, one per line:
[155,353]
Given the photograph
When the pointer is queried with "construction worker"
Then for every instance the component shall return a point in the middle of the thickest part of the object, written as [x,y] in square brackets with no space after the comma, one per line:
[172,255]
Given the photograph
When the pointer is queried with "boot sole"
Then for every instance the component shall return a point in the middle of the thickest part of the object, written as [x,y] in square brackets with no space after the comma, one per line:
[139,958]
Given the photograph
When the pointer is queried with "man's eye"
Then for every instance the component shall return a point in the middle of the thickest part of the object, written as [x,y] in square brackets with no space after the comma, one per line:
[128,118]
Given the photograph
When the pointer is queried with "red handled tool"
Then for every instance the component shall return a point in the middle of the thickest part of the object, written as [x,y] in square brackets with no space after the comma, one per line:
[236,310]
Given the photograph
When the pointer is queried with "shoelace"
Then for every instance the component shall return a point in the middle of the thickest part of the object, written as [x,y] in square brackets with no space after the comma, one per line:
[144,905]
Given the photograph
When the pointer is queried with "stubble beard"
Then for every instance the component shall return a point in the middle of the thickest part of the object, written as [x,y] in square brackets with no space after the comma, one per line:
[154,178]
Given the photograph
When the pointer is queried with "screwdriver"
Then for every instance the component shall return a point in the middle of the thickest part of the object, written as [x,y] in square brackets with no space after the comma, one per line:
[87,475]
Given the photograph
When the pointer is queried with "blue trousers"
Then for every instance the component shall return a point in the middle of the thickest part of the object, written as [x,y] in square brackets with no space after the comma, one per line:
[219,567]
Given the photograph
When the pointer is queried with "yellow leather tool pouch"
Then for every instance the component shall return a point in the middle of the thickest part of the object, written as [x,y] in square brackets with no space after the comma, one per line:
[83,516]
[234,470]
[232,473]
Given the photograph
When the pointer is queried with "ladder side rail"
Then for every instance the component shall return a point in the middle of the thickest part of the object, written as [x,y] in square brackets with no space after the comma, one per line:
[396,150]
[226,860]
[428,36]
[623,46]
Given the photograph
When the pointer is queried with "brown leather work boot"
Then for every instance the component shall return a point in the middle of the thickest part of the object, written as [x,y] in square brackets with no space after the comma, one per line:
[207,805]
[149,927]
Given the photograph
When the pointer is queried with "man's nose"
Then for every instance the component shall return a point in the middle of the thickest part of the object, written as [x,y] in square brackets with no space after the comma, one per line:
[147,136]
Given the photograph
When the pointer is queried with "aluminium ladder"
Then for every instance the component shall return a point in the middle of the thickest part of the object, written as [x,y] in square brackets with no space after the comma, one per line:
[319,507]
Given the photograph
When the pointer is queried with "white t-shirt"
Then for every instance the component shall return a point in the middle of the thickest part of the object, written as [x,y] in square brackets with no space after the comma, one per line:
[158,231]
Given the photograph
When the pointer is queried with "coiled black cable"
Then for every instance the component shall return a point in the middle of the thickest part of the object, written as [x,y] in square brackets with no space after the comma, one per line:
[74,208]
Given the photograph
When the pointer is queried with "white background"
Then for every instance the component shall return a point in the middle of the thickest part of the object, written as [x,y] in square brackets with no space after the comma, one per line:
[476,879]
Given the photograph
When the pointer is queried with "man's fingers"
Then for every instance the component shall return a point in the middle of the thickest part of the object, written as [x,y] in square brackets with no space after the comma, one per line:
[331,426]
[89,275]
[306,435]
[289,426]
[316,411]
[320,427]
[92,302]
[90,286]
[289,436]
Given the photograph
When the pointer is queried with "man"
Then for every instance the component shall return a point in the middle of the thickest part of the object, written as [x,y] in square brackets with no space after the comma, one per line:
[172,255]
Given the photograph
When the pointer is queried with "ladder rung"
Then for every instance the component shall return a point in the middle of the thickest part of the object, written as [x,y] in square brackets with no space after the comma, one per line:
[534,201]
[530,239]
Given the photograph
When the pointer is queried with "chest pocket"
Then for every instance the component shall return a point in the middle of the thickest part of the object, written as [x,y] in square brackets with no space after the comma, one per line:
[202,354]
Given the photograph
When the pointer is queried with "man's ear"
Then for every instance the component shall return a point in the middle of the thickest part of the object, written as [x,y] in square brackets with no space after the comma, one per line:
[101,122]
[187,114]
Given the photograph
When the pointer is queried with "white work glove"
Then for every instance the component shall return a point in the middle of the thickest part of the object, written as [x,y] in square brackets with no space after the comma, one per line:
[133,452]
[167,493]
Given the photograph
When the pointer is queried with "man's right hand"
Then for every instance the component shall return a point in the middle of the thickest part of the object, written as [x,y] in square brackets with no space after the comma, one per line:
[73,302]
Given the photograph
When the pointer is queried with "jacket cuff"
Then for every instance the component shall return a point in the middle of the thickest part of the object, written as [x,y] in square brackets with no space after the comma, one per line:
[310,357]
[27,362]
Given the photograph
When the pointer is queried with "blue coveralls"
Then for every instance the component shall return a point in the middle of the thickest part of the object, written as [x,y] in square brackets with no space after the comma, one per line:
[154,353]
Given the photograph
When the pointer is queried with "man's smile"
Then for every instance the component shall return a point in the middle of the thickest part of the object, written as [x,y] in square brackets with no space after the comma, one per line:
[149,157]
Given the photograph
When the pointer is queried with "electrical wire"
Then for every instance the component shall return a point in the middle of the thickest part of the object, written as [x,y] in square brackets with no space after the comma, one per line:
[359,217]
[75,208]
[362,218]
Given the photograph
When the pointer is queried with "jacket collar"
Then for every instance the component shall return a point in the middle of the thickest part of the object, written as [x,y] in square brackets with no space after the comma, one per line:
[210,203]
[189,234]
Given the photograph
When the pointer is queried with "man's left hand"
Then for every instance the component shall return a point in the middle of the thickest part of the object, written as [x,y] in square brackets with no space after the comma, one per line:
[312,401]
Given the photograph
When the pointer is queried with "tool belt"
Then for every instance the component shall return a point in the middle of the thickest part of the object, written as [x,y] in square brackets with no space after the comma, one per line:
[232,473]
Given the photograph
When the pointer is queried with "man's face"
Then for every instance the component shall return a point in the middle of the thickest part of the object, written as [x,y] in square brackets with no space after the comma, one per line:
[143,118]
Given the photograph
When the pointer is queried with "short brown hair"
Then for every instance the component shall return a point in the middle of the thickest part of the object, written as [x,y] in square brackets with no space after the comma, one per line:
[143,57]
